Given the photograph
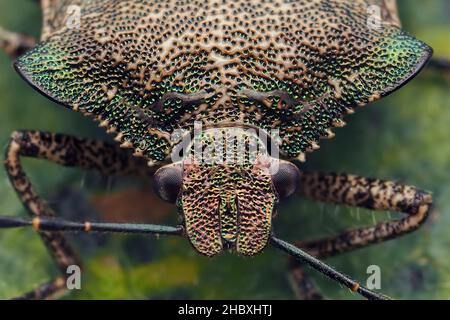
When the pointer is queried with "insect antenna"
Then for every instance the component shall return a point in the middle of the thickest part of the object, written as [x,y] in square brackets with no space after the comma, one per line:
[326,269]
[57,224]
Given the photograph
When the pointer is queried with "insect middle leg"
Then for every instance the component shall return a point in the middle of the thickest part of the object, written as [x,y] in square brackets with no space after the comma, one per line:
[67,151]
[367,193]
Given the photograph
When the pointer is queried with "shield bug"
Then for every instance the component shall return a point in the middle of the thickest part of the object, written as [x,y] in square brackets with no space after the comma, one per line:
[264,82]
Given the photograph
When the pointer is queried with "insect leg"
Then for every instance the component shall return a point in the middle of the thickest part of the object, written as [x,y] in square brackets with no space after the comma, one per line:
[362,192]
[367,193]
[53,13]
[15,44]
[440,64]
[302,285]
[67,151]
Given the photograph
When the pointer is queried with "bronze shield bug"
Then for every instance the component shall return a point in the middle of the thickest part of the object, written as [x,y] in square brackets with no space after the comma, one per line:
[239,70]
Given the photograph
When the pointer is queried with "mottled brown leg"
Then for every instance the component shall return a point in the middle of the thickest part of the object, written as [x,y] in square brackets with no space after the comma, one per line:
[367,193]
[302,285]
[360,192]
[67,151]
[52,289]
[15,44]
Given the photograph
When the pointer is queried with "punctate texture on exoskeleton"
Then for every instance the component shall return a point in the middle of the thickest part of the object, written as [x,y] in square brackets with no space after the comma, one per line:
[144,68]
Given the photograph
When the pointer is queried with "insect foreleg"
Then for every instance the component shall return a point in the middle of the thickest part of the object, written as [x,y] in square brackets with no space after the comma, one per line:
[15,44]
[367,193]
[68,151]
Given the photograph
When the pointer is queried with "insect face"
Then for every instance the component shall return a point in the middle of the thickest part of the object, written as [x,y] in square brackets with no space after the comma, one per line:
[226,188]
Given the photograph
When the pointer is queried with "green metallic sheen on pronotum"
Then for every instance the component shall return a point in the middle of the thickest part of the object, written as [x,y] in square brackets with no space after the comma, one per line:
[143,69]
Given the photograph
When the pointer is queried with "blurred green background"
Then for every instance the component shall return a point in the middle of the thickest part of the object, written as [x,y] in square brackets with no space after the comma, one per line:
[406,137]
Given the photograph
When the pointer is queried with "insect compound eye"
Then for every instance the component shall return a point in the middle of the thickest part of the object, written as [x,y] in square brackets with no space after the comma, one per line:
[286,179]
[167,182]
